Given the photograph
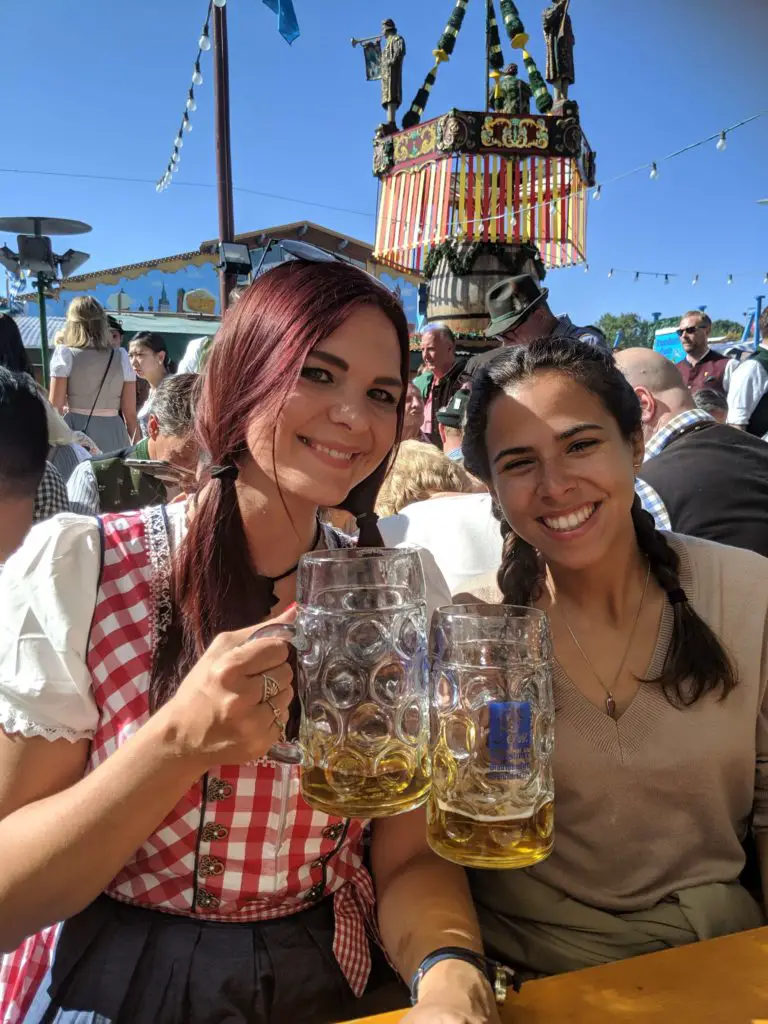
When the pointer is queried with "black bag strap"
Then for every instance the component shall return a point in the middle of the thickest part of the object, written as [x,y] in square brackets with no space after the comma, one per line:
[109,363]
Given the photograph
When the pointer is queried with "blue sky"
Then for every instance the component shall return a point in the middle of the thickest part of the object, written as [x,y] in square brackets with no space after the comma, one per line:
[98,88]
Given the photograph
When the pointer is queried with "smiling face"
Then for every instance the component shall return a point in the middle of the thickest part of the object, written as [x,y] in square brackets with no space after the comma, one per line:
[340,423]
[561,469]
[146,363]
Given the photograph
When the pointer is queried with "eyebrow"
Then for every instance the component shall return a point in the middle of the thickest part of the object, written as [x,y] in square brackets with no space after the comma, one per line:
[342,364]
[564,436]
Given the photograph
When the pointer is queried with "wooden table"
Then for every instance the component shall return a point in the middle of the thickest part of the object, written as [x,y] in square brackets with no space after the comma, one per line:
[723,981]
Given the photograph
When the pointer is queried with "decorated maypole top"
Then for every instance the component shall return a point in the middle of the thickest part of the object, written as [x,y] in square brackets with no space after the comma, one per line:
[482,193]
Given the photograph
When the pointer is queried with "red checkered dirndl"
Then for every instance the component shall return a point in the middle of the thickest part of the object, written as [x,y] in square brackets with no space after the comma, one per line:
[242,844]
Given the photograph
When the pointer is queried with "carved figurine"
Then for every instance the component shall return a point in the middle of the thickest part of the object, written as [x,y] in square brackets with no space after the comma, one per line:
[558,33]
[514,95]
[392,57]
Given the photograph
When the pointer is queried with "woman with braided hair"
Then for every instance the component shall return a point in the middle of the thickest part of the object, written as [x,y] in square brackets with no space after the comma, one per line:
[661,664]
[192,882]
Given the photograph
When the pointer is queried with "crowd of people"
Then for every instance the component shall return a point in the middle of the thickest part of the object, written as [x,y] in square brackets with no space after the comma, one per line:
[159,865]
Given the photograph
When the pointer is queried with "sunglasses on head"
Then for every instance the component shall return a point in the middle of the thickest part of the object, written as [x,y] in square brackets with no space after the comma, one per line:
[309,253]
[688,330]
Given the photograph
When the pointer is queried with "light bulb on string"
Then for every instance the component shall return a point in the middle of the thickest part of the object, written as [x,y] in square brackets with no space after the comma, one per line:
[197,76]
[695,279]
[765,279]
[175,168]
[159,186]
[637,276]
[654,172]
[586,268]
[730,279]
[721,143]
[191,103]
[204,42]
[175,157]
[219,3]
[179,141]
[666,279]
[598,192]
[610,273]
[187,123]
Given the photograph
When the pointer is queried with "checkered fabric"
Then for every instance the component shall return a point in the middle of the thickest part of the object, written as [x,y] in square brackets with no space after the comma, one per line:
[241,845]
[51,497]
[651,502]
[660,439]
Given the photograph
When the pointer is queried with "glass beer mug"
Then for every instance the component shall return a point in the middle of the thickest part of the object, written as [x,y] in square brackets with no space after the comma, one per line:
[361,638]
[491,736]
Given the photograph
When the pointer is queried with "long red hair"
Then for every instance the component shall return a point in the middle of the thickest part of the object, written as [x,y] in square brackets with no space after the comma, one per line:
[255,363]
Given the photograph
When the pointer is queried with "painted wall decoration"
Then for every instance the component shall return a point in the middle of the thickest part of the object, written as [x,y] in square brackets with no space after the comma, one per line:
[190,289]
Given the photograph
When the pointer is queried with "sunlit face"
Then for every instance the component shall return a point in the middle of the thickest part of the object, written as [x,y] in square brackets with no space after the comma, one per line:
[115,338]
[145,362]
[694,335]
[341,421]
[437,351]
[562,471]
[414,408]
[181,451]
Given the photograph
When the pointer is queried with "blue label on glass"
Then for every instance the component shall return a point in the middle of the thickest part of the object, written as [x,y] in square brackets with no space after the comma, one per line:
[510,739]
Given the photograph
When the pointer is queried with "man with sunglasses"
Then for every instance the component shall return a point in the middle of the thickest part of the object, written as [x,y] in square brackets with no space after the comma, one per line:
[702,366]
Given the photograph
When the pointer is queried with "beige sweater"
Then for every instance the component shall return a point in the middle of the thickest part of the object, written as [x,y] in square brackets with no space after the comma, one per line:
[661,799]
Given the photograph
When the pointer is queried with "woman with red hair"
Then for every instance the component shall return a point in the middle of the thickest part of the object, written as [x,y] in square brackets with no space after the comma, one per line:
[138,805]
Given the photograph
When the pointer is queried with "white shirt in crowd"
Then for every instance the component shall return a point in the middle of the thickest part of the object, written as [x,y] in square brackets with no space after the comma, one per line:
[61,363]
[459,531]
[748,384]
[193,354]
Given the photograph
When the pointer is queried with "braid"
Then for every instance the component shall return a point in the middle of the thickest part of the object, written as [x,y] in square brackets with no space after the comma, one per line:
[697,662]
[519,578]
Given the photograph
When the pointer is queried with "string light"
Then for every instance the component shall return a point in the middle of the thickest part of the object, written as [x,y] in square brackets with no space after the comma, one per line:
[219,3]
[637,276]
[654,172]
[598,192]
[721,143]
[586,268]
[666,279]
[610,273]
[730,279]
[190,104]
[695,280]
[765,279]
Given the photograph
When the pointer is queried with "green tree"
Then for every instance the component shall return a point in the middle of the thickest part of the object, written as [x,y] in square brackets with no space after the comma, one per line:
[727,329]
[635,331]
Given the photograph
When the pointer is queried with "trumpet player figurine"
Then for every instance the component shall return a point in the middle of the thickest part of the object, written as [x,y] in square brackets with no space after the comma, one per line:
[392,57]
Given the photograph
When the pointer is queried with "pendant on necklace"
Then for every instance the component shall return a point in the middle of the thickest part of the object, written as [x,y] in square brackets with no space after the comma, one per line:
[610,705]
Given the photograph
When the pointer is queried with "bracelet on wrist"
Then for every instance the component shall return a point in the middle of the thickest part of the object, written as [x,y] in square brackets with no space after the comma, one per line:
[499,977]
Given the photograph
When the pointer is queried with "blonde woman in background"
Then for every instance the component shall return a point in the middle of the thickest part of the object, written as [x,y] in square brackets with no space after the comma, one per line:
[421,471]
[92,382]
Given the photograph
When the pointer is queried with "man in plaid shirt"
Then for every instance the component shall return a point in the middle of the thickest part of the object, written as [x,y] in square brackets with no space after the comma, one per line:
[30,488]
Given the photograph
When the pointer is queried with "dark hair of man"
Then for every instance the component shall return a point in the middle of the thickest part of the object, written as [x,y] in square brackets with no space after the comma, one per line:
[115,325]
[708,399]
[696,663]
[704,319]
[23,436]
[13,355]
[173,403]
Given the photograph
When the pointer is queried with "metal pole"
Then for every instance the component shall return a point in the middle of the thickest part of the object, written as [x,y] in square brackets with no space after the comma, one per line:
[758,311]
[44,354]
[223,147]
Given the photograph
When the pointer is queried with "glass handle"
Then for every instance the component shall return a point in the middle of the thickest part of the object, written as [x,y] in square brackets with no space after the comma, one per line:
[283,752]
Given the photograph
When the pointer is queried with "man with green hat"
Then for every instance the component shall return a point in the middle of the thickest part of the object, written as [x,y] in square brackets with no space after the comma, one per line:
[519,314]
[451,419]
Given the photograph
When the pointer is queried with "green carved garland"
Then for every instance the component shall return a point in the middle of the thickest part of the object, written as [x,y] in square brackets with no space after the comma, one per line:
[462,260]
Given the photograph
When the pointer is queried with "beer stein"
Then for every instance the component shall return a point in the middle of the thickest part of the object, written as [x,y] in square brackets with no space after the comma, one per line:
[491,736]
[361,638]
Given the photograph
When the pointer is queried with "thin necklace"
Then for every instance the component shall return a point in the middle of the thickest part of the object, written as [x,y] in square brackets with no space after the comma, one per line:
[610,700]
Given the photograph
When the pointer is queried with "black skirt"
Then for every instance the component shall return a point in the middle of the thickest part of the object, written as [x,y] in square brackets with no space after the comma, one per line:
[120,964]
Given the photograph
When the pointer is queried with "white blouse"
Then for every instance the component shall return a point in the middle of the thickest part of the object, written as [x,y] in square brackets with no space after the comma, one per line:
[48,592]
[61,363]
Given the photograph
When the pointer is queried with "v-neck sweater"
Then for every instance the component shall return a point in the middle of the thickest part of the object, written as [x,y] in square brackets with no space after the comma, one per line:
[661,798]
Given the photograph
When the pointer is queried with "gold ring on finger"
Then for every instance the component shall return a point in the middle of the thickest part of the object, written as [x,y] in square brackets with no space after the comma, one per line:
[277,718]
[271,687]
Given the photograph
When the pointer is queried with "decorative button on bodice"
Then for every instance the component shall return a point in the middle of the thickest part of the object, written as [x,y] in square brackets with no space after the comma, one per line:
[333,831]
[218,789]
[314,893]
[213,831]
[207,901]
[209,866]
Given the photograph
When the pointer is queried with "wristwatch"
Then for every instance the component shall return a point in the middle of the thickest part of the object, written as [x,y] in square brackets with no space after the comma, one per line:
[499,977]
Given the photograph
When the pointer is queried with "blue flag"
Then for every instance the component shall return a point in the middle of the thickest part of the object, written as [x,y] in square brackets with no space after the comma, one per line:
[287,23]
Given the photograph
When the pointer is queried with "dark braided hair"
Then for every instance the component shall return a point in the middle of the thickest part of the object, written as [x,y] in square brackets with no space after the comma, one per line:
[697,662]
